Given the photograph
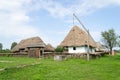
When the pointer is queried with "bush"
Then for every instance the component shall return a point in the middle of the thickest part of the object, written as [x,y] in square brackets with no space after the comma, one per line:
[59,49]
[5,51]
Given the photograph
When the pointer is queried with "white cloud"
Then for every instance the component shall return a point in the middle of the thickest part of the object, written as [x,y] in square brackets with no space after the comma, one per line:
[14,19]
[81,7]
[19,17]
[14,22]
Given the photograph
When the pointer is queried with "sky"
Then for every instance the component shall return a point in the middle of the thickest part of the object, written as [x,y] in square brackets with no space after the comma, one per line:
[51,20]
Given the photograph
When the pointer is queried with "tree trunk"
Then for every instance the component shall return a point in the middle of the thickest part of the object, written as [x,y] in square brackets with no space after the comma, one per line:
[110,51]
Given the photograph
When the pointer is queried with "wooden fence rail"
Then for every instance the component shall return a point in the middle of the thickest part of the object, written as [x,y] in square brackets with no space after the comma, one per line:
[13,54]
[52,54]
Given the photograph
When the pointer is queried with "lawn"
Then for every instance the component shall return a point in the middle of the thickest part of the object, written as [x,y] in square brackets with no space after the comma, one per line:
[104,68]
[7,62]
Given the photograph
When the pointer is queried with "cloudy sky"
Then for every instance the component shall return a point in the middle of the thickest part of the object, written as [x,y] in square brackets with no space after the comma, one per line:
[52,19]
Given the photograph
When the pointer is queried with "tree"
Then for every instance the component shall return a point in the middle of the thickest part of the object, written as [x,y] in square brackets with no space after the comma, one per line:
[59,49]
[110,39]
[13,45]
[118,41]
[1,46]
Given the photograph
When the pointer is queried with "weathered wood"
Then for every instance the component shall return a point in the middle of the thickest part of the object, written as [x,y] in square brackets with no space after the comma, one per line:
[14,54]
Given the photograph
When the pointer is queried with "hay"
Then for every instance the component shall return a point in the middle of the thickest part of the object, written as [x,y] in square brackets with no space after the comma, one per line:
[77,37]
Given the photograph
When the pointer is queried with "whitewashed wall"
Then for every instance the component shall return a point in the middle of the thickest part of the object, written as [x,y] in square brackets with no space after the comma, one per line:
[78,50]
[81,49]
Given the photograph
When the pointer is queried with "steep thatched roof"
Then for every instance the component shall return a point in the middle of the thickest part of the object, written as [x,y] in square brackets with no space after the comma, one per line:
[30,42]
[77,37]
[100,47]
[49,47]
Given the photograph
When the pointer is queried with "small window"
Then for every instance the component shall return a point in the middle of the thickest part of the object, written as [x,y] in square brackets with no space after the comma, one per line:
[74,48]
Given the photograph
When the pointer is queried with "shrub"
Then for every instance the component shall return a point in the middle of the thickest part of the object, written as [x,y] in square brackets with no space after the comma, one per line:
[5,51]
[59,49]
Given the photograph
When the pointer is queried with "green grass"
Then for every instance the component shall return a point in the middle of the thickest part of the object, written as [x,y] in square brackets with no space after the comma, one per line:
[6,62]
[104,68]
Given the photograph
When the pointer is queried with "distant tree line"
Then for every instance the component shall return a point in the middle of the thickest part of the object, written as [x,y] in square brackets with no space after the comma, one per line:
[7,50]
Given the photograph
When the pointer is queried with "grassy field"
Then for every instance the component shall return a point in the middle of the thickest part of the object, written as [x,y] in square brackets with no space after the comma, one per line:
[7,62]
[104,68]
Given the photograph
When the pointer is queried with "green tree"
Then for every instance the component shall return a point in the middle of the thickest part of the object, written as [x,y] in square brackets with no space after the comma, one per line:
[1,46]
[118,41]
[13,45]
[59,49]
[110,39]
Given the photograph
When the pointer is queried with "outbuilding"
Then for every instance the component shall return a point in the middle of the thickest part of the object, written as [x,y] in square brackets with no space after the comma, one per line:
[34,47]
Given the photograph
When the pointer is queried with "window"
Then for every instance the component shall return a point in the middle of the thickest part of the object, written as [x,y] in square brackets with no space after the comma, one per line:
[74,48]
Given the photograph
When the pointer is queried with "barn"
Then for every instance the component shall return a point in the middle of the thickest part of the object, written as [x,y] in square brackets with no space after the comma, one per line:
[76,41]
[34,47]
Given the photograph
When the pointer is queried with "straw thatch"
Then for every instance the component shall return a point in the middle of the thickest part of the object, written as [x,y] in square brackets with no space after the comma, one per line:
[49,48]
[30,42]
[77,37]
[100,47]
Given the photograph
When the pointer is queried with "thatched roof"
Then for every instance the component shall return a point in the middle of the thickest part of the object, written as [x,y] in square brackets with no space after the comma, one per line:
[49,47]
[100,47]
[77,37]
[30,42]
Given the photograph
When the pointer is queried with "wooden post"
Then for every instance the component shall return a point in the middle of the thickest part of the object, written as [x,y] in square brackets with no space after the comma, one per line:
[88,56]
[42,52]
[28,52]
[39,52]
[87,35]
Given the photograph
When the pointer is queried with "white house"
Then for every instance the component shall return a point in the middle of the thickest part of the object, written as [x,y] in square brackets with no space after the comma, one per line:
[76,41]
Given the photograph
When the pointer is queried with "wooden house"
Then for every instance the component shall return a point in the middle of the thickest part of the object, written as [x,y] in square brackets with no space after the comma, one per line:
[76,41]
[34,47]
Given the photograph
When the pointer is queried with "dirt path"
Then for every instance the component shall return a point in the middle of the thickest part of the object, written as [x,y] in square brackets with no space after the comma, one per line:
[19,66]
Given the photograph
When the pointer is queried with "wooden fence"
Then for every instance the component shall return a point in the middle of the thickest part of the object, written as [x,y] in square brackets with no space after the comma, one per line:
[75,55]
[52,54]
[14,54]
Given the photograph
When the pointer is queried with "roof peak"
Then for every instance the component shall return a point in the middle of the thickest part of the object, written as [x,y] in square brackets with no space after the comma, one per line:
[77,37]
[77,28]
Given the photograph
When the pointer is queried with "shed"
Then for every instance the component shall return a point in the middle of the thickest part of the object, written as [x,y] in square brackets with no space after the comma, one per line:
[34,47]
